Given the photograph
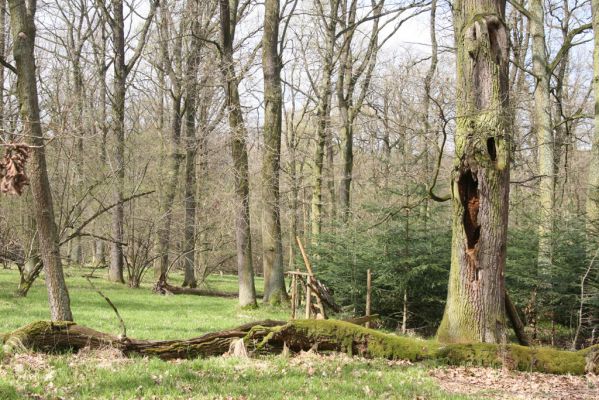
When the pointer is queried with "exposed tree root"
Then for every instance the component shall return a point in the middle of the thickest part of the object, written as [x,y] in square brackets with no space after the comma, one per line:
[322,335]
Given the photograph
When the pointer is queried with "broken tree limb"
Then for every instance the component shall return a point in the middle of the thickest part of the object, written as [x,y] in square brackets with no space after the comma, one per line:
[322,292]
[322,335]
[517,325]
[111,304]
[363,320]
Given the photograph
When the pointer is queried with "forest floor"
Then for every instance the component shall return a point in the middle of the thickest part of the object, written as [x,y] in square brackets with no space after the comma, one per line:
[107,374]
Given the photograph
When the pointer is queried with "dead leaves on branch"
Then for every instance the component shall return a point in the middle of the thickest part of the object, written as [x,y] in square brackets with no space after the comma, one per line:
[13,178]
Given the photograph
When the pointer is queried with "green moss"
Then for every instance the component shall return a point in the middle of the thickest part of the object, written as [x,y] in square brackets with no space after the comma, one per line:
[278,297]
[513,356]
[557,362]
[370,342]
[484,354]
[376,344]
[587,350]
[251,306]
[24,337]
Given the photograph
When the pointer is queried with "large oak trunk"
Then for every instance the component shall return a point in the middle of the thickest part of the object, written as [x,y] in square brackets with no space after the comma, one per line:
[480,180]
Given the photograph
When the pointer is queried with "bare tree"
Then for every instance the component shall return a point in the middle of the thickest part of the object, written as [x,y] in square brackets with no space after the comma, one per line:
[121,68]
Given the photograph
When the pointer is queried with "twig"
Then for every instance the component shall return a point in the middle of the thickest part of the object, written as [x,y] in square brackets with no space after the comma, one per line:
[111,304]
[100,212]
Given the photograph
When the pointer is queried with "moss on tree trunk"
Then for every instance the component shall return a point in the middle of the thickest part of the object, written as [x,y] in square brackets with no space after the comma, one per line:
[480,180]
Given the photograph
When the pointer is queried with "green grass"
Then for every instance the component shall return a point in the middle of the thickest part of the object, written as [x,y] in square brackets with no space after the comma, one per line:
[105,376]
[147,315]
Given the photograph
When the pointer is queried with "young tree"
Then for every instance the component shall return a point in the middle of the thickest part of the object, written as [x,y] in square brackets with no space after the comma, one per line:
[480,181]
[22,21]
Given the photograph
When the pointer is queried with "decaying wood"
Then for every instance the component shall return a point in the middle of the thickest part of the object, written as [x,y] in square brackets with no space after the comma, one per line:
[363,320]
[51,337]
[303,335]
[517,325]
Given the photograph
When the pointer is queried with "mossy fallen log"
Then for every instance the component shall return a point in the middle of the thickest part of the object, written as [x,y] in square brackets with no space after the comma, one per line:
[54,337]
[320,335]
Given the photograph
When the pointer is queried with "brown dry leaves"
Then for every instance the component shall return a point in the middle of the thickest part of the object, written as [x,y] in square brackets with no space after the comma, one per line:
[502,384]
[12,169]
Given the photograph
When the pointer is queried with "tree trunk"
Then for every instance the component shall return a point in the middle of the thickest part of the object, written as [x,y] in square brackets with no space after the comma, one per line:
[322,115]
[191,143]
[480,180]
[592,205]
[23,31]
[545,142]
[115,272]
[172,64]
[272,243]
[245,270]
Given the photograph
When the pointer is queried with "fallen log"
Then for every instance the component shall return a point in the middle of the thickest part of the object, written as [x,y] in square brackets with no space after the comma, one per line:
[163,287]
[56,337]
[298,335]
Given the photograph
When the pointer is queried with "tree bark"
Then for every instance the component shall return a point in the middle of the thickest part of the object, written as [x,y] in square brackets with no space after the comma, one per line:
[272,242]
[22,19]
[545,138]
[115,272]
[191,144]
[592,204]
[322,114]
[172,64]
[480,179]
[245,269]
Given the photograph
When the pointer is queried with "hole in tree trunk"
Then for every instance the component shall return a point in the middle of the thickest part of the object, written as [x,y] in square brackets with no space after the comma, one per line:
[468,189]
[491,148]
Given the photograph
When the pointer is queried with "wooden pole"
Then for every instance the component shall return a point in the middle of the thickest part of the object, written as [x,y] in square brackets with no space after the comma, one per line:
[308,300]
[293,295]
[304,255]
[368,294]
